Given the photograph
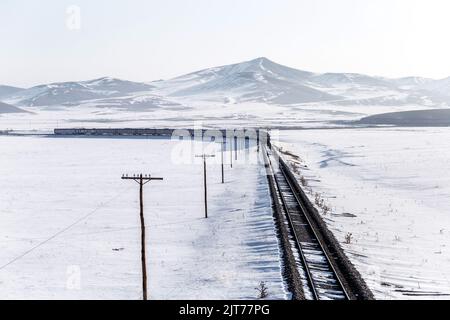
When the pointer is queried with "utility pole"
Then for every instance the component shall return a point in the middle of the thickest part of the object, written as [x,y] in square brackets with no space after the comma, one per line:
[257,140]
[142,180]
[223,171]
[204,156]
[235,148]
[231,153]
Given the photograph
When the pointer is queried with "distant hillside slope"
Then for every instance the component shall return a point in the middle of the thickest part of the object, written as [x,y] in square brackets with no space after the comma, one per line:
[259,80]
[8,90]
[7,108]
[256,81]
[74,93]
[418,118]
[262,80]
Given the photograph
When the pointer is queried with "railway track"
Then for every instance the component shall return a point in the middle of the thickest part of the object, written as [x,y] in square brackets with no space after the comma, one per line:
[319,277]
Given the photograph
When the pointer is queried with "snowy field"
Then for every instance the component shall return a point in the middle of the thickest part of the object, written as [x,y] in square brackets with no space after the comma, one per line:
[390,189]
[209,114]
[69,226]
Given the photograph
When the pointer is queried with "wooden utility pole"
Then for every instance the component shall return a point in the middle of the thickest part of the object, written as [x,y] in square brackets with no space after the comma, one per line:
[257,140]
[223,171]
[142,180]
[231,153]
[235,148]
[204,156]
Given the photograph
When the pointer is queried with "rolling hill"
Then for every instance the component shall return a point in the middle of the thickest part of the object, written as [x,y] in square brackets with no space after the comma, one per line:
[259,80]
[7,108]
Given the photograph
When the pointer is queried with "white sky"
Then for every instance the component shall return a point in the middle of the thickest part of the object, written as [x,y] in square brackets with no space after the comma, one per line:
[145,40]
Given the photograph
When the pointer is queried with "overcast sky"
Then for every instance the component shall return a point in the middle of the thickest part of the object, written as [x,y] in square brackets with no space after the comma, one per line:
[145,40]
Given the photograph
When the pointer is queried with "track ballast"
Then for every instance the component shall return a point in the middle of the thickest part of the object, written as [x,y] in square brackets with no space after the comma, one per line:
[320,280]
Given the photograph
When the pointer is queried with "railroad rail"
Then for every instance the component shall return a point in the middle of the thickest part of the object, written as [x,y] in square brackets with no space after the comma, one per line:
[320,279]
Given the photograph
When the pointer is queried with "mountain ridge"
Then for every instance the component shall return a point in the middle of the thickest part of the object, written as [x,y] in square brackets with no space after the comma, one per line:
[73,92]
[259,80]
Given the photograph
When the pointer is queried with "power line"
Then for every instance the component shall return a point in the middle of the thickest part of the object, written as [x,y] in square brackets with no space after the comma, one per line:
[60,232]
[135,228]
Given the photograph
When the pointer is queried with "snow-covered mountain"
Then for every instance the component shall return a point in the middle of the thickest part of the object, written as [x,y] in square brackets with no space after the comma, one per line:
[7,108]
[262,80]
[74,93]
[411,82]
[258,81]
[8,90]
[438,86]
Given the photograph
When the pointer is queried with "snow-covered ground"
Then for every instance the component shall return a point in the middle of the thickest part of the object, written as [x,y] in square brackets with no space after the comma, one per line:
[210,114]
[69,226]
[390,189]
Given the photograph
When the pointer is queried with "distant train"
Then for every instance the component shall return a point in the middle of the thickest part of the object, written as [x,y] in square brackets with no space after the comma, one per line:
[250,134]
[114,132]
